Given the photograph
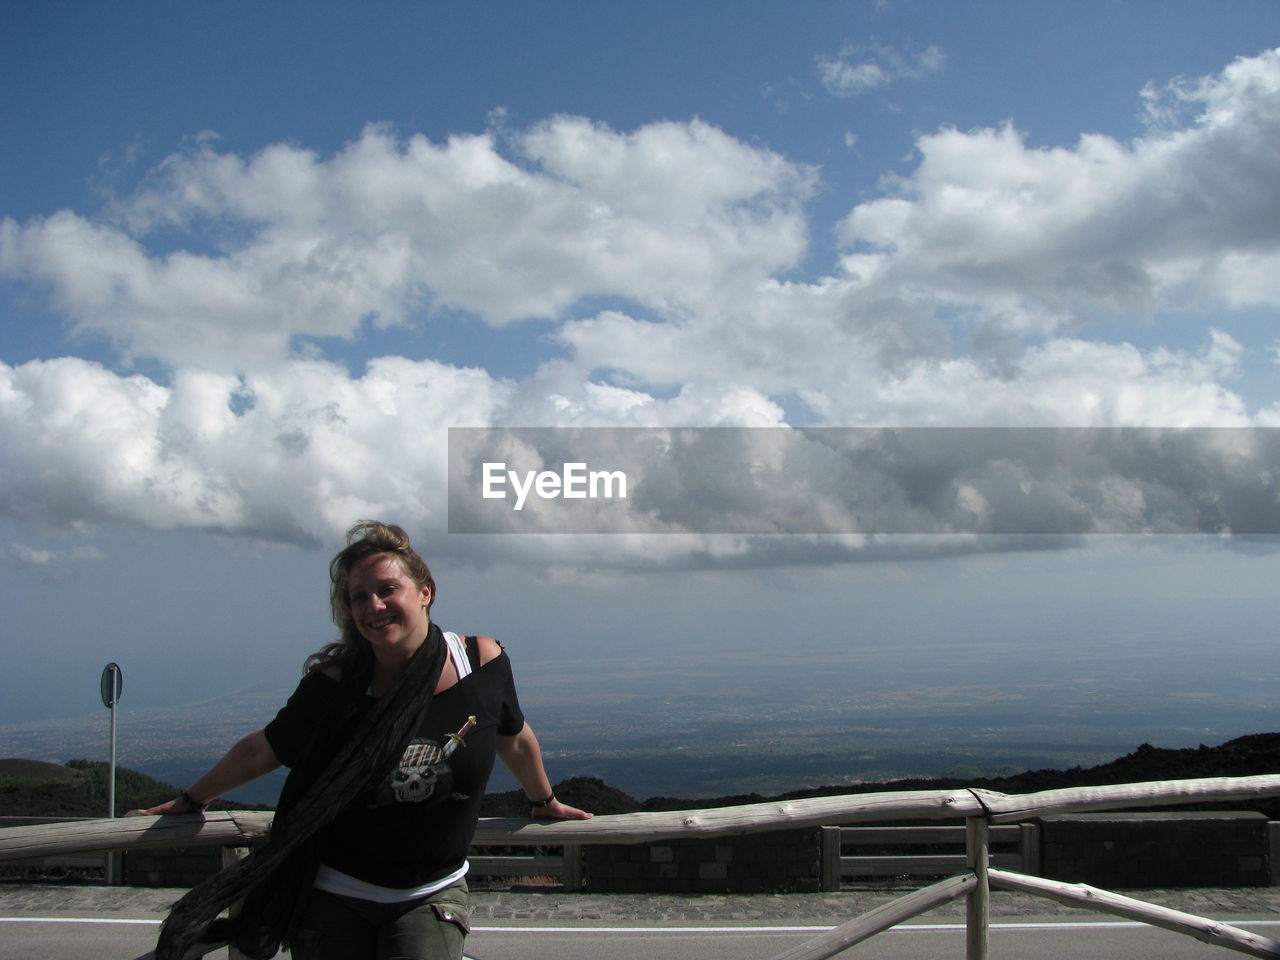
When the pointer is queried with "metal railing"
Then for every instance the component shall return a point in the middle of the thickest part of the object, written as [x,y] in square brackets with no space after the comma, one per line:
[837,866]
[565,866]
[980,809]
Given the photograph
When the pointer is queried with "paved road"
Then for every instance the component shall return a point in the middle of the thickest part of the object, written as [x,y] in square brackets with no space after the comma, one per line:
[48,922]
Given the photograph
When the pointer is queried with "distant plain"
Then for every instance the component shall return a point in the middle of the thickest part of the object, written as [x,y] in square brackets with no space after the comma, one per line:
[685,724]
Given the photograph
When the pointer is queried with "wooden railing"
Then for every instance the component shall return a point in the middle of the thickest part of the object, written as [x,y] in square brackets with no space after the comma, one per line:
[979,809]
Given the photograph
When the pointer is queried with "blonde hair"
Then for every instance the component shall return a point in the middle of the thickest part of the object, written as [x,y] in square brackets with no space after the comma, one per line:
[366,538]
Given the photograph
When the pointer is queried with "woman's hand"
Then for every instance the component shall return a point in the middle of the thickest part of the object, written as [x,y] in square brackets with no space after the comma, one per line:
[555,810]
[182,803]
[523,757]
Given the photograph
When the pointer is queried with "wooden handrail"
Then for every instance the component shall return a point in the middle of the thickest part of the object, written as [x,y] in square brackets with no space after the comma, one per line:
[1011,808]
[231,828]
[215,828]
[977,807]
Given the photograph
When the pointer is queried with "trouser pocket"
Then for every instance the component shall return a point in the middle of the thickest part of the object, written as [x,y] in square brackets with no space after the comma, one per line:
[432,930]
[455,914]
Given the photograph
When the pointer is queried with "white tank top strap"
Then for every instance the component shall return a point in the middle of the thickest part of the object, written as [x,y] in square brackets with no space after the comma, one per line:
[458,653]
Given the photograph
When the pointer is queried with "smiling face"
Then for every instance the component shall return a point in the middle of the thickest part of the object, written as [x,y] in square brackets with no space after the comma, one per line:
[388,608]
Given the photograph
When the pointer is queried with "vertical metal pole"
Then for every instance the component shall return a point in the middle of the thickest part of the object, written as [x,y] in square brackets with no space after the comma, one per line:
[113,858]
[977,854]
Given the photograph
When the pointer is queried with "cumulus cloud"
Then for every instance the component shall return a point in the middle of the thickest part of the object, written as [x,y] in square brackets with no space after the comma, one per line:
[291,455]
[1038,237]
[961,296]
[862,68]
[294,455]
[980,268]
[314,247]
[1062,382]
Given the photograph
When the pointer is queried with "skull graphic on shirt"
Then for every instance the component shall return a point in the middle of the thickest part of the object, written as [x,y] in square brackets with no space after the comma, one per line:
[423,770]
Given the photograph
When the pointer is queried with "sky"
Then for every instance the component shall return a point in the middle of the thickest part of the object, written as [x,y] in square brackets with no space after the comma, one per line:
[257,259]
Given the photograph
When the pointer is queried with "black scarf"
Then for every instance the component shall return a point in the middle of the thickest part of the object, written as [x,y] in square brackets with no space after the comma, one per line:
[339,764]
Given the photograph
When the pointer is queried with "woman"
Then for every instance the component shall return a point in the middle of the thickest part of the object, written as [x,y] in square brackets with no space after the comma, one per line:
[391,736]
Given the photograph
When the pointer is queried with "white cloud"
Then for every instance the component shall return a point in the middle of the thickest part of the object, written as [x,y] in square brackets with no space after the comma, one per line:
[958,300]
[861,68]
[44,558]
[976,268]
[1040,237]
[295,454]
[846,79]
[1063,382]
[310,449]
[29,555]
[670,214]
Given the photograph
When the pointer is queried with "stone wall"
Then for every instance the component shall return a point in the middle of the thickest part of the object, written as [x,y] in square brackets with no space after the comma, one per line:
[1174,849]
[178,867]
[786,861]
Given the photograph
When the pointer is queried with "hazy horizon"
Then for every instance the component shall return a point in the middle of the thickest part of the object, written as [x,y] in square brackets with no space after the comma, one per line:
[689,724]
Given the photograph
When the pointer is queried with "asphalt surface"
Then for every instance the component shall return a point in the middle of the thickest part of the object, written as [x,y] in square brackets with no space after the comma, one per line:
[39,920]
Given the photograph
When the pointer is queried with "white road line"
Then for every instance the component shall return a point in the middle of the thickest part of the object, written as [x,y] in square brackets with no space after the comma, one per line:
[907,927]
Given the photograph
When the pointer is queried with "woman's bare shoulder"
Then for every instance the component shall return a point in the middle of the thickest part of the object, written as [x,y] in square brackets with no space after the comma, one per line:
[490,649]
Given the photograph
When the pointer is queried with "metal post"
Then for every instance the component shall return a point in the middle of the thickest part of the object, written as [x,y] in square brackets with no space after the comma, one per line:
[113,858]
[978,913]
[111,685]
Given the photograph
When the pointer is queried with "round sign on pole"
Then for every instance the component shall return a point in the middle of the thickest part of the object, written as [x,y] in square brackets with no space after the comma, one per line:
[112,683]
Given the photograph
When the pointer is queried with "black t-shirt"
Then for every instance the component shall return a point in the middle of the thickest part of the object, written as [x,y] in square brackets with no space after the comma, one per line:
[416,826]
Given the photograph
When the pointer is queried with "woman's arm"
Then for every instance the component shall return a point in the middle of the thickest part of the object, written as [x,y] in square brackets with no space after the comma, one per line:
[249,759]
[523,757]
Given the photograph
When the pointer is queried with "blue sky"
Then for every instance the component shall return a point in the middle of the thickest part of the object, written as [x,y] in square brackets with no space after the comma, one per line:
[254,258]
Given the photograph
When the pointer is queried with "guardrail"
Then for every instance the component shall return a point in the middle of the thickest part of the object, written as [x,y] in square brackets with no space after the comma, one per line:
[566,866]
[980,809]
[836,866]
